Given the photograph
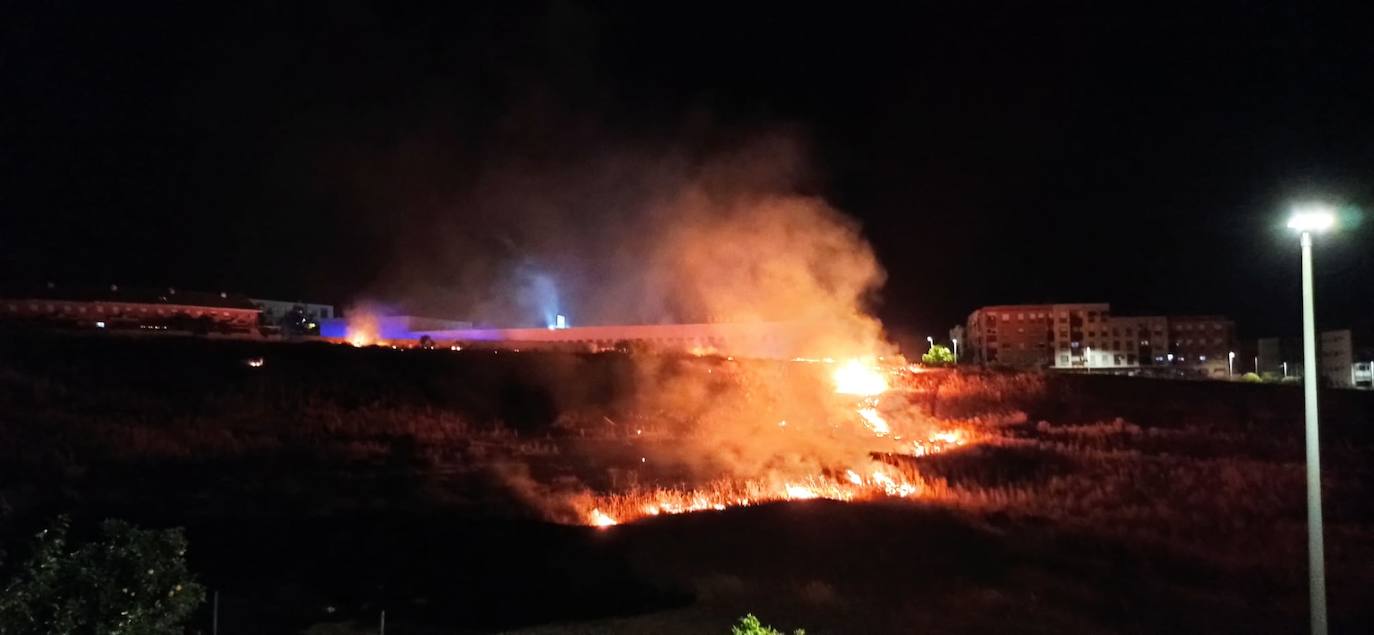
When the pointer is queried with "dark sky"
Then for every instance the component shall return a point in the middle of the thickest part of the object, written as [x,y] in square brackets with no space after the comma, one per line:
[1145,158]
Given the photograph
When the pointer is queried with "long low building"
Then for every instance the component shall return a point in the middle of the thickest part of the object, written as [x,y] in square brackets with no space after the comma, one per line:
[777,340]
[119,308]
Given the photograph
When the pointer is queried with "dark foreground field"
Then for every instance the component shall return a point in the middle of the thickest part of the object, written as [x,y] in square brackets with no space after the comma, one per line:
[333,483]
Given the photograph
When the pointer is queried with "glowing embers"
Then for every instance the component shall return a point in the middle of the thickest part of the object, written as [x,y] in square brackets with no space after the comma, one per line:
[938,442]
[856,377]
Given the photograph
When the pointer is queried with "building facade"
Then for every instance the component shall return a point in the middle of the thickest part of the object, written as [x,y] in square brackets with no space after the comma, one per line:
[131,309]
[1345,359]
[1086,336]
[274,310]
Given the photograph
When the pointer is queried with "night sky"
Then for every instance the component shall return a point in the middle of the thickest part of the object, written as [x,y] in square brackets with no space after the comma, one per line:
[1014,155]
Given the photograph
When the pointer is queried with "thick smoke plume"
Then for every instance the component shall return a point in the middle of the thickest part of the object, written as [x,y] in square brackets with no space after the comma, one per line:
[632,236]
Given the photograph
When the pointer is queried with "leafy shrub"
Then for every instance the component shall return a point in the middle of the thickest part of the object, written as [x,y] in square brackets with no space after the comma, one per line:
[130,581]
[938,356]
[1251,378]
[749,625]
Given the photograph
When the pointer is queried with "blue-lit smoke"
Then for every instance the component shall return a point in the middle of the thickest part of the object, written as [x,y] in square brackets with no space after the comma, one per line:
[539,294]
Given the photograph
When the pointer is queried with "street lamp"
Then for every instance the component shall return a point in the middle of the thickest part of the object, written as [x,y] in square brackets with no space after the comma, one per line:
[956,348]
[931,340]
[1307,221]
[1231,364]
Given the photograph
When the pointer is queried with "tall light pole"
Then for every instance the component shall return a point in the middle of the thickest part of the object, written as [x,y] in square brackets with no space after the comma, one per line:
[956,348]
[930,340]
[1307,221]
[1231,364]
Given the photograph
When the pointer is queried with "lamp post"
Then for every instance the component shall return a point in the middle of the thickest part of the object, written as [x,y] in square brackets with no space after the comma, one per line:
[930,340]
[956,348]
[1257,364]
[1307,221]
[1231,365]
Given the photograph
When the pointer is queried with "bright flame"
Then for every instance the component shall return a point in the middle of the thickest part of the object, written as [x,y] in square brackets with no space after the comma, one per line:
[599,518]
[363,328]
[875,421]
[855,377]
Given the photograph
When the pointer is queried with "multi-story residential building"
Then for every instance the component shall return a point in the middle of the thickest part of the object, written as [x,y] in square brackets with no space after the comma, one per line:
[1087,336]
[1202,342]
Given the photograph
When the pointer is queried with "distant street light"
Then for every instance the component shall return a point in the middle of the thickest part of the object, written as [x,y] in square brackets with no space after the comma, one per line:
[956,348]
[931,340]
[1308,220]
[1257,364]
[1231,364]
[1285,370]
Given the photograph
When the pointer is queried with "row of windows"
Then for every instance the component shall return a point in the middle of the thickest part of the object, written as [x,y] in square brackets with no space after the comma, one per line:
[1188,341]
[1216,326]
[100,309]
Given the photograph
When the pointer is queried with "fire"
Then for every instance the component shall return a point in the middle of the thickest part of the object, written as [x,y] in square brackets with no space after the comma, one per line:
[615,509]
[938,441]
[363,329]
[875,421]
[600,519]
[861,378]
[855,377]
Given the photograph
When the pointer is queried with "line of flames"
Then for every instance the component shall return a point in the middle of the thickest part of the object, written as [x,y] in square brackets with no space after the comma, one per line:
[877,483]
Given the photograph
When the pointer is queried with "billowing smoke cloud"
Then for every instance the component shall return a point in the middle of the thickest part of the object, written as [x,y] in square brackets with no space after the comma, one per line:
[634,236]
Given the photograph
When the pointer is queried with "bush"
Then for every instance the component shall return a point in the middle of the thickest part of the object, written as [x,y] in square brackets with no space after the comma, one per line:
[1251,378]
[938,356]
[749,625]
[130,580]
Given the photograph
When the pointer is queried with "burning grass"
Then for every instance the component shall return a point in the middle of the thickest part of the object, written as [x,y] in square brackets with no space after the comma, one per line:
[613,440]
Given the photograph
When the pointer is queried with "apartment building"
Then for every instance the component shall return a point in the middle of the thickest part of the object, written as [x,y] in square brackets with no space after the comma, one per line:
[1086,336]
